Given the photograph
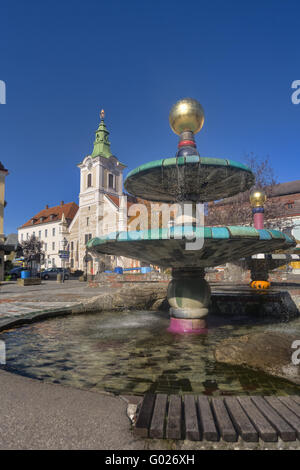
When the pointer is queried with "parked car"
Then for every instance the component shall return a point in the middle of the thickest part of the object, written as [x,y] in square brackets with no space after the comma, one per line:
[52,273]
[15,272]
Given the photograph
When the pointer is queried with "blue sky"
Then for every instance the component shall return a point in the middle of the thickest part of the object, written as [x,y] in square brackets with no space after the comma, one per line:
[63,61]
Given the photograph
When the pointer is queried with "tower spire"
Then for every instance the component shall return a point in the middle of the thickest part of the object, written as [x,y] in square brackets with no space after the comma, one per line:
[101,143]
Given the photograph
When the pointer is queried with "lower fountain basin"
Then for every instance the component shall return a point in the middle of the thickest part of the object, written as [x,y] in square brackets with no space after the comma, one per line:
[162,247]
[132,353]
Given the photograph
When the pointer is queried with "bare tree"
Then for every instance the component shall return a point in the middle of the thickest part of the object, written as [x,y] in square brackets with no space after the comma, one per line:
[32,251]
[237,210]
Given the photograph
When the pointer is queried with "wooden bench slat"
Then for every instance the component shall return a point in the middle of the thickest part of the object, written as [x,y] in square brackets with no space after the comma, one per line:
[291,404]
[158,418]
[290,417]
[144,417]
[225,425]
[286,432]
[191,420]
[207,422]
[265,430]
[241,421]
[174,418]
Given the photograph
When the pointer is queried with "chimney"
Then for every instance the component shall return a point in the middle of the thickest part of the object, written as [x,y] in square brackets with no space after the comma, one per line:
[47,207]
[61,203]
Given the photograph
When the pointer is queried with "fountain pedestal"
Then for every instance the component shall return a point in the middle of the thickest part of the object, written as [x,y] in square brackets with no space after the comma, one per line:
[189,298]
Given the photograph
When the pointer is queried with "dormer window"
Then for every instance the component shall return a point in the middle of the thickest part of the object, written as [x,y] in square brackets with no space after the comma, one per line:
[89,180]
[42,219]
[33,220]
[52,216]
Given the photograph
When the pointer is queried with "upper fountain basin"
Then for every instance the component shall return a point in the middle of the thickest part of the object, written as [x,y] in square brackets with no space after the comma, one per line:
[161,247]
[189,178]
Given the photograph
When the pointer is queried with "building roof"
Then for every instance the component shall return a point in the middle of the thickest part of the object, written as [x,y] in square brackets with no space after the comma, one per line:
[2,168]
[53,214]
[282,189]
[288,192]
[11,239]
[116,199]
[102,144]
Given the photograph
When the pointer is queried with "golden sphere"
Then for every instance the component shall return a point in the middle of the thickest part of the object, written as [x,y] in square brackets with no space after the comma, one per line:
[257,198]
[186,115]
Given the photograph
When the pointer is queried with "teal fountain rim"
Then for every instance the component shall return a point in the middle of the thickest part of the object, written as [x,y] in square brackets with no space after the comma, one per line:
[168,246]
[189,178]
[180,161]
[217,233]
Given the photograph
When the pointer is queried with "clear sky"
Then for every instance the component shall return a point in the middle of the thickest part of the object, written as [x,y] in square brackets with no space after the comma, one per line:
[62,61]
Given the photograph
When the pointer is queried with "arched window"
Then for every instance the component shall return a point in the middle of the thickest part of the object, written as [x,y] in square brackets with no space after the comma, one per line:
[89,180]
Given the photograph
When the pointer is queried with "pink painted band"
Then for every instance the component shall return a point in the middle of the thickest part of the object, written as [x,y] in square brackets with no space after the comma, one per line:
[183,326]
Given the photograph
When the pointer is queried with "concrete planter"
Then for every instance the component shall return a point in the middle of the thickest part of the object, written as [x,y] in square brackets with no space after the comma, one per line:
[29,281]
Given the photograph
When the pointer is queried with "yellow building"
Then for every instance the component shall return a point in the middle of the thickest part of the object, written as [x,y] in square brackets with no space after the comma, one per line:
[3,174]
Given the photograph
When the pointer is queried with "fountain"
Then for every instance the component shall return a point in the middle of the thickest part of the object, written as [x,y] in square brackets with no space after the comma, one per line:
[189,178]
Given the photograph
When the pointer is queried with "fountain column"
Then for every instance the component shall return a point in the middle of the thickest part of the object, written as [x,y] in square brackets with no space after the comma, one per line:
[189,298]
[257,200]
[259,267]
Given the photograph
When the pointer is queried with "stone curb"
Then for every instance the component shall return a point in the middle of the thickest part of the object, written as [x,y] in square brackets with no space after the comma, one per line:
[44,314]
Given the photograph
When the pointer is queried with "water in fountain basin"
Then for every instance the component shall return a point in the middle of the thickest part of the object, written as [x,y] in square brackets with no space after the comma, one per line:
[133,353]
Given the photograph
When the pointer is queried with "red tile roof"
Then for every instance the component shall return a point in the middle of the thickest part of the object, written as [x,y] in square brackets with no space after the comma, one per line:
[53,214]
[116,200]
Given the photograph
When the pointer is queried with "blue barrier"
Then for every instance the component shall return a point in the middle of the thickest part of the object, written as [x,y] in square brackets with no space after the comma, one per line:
[145,269]
[25,274]
[118,270]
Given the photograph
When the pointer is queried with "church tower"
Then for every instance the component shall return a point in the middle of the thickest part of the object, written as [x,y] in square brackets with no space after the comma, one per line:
[101,174]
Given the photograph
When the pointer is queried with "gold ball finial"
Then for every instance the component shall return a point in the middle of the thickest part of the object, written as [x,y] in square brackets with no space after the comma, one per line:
[186,115]
[257,197]
[102,114]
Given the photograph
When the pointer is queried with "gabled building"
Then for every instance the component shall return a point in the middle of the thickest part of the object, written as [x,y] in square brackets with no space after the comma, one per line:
[51,226]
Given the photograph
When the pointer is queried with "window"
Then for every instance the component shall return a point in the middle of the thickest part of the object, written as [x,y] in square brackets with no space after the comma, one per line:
[72,246]
[53,261]
[87,237]
[40,233]
[110,180]
[53,245]
[89,180]
[21,237]
[27,236]
[33,234]
[45,246]
[72,263]
[46,233]
[87,221]
[53,232]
